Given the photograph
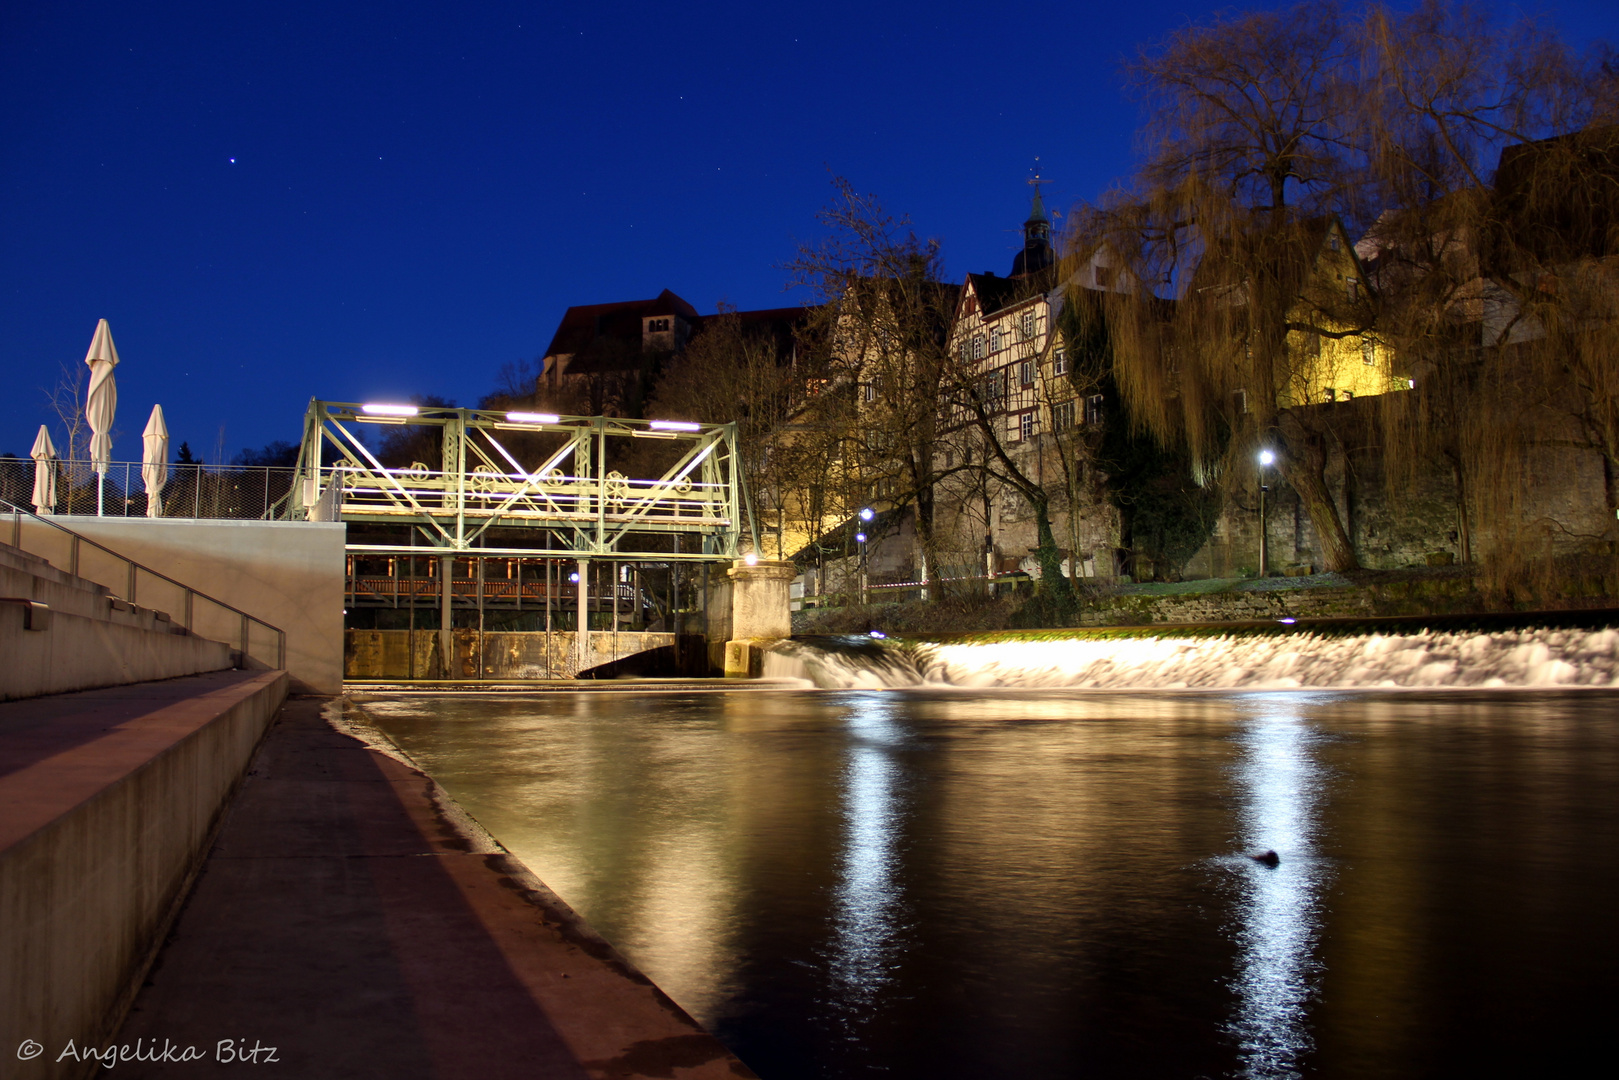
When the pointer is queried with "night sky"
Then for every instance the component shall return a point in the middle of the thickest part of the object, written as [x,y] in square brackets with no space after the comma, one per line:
[271,202]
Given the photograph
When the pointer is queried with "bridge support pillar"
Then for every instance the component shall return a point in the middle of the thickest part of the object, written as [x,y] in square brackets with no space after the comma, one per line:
[446,622]
[759,614]
[582,630]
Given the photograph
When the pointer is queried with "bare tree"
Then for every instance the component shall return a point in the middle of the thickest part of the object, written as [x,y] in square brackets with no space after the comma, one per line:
[883,320]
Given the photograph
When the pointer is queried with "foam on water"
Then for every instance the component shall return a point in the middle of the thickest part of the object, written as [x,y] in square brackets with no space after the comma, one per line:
[1538,658]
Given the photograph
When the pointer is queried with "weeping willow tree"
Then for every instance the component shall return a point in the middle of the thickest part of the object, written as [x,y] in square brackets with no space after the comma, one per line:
[1248,163]
[1493,150]
[1277,137]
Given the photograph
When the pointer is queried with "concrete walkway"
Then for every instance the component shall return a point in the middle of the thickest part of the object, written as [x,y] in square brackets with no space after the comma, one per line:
[351,919]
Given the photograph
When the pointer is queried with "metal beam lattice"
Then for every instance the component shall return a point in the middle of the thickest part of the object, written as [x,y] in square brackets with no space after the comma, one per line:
[574,502]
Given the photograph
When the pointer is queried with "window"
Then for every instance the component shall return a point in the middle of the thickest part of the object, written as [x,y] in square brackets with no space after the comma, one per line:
[657,326]
[1026,426]
[1025,373]
[1093,409]
[1027,325]
[1239,401]
[978,346]
[1059,361]
[1346,395]
[1352,288]
[996,344]
[1312,344]
[1332,241]
[965,350]
[1331,394]
[1368,353]
[949,459]
[868,392]
[1062,416]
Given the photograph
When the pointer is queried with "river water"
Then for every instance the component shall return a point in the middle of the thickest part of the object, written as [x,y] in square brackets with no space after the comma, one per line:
[944,883]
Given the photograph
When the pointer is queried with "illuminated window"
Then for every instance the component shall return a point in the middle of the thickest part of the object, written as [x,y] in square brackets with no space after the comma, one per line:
[1368,353]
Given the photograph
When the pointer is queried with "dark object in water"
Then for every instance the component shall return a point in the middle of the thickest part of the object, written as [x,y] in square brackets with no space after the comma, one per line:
[1269,858]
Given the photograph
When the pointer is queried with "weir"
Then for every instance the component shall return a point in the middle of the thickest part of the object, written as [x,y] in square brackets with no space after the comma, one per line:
[1398,657]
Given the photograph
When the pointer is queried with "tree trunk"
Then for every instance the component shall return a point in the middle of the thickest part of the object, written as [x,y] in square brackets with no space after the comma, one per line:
[1051,576]
[1304,464]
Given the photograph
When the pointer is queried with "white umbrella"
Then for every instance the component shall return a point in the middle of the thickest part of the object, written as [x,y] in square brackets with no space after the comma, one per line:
[102,402]
[44,455]
[155,461]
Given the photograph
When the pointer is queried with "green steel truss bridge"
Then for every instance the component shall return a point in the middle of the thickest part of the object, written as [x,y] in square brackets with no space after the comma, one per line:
[573,504]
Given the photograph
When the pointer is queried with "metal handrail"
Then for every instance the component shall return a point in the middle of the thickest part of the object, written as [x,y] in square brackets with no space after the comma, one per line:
[134,568]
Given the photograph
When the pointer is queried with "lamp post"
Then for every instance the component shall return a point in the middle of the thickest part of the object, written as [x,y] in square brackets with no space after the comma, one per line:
[1266,459]
[866,515]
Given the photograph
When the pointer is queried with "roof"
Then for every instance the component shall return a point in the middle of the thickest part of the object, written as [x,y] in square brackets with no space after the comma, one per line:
[584,324]
[995,293]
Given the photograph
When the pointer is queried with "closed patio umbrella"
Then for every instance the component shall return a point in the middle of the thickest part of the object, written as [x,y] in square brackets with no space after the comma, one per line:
[101,403]
[155,461]
[44,455]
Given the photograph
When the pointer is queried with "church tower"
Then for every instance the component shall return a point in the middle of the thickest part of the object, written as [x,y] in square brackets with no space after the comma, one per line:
[1036,254]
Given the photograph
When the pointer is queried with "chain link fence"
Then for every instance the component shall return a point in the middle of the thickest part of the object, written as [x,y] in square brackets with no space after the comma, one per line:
[235,492]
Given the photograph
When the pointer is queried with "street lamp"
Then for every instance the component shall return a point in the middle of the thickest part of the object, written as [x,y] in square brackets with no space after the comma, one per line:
[1266,460]
[866,514]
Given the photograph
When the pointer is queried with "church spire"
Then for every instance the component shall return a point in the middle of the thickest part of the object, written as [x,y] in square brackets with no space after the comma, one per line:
[1036,254]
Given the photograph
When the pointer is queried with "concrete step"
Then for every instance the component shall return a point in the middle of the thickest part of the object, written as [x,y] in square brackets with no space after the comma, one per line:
[60,633]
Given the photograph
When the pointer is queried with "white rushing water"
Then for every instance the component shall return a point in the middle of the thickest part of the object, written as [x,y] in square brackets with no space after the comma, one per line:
[1529,658]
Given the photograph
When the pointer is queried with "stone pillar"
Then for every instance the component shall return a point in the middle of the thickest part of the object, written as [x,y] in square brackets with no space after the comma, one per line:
[759,614]
[582,630]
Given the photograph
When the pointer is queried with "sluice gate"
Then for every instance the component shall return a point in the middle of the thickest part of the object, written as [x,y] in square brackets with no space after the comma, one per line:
[520,544]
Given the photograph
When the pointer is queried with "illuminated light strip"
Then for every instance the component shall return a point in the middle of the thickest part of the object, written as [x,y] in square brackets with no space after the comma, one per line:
[675,425]
[390,410]
[533,418]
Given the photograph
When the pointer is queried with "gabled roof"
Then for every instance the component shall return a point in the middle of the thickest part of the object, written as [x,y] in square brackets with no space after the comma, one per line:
[995,293]
[586,323]
[1293,251]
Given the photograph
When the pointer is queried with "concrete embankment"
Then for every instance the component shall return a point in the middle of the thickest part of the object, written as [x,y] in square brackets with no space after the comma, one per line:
[107,800]
[353,919]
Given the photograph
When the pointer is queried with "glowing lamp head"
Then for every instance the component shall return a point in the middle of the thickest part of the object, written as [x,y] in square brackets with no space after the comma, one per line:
[867,514]
[1267,458]
[878,634]
[389,410]
[860,538]
[674,425]
[532,417]
[751,558]
[573,576]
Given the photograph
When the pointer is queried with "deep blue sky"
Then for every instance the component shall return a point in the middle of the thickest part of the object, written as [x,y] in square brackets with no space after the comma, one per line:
[274,201]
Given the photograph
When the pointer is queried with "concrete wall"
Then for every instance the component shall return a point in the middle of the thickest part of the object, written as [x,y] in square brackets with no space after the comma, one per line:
[288,573]
[386,654]
[97,843]
[84,638]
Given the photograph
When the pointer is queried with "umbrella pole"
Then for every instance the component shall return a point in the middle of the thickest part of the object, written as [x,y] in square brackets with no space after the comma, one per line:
[101,491]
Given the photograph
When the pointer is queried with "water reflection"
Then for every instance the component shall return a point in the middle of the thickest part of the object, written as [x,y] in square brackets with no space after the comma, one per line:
[868,898]
[1279,783]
